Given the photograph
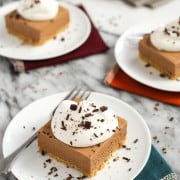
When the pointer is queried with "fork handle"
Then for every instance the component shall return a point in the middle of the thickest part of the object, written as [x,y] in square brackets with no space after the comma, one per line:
[6,162]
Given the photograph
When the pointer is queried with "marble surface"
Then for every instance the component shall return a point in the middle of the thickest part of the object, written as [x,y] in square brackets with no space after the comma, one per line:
[18,90]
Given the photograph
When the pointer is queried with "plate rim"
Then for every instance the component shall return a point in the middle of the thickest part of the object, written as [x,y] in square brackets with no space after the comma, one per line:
[77,10]
[120,41]
[126,105]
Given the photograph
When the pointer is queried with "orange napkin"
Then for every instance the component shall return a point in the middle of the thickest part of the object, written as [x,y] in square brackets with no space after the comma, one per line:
[118,79]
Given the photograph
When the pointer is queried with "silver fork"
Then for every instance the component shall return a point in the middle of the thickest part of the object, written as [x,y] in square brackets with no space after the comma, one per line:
[5,163]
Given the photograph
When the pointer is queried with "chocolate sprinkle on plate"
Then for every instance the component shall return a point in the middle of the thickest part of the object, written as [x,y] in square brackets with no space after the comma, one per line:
[48,160]
[135,141]
[125,158]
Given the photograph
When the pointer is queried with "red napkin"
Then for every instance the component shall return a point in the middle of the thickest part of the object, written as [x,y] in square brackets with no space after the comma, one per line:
[93,45]
[118,79]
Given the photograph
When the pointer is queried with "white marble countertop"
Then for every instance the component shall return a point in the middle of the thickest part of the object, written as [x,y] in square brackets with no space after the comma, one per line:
[18,90]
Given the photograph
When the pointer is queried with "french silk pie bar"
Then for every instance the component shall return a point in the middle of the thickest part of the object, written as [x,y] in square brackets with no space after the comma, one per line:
[161,49]
[37,21]
[82,135]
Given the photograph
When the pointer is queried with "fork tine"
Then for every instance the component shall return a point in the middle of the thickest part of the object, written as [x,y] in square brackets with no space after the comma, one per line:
[86,95]
[82,94]
[76,93]
[70,93]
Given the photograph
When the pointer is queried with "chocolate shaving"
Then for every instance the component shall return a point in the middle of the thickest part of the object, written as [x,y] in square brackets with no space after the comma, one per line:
[176,32]
[129,169]
[63,126]
[56,175]
[80,109]
[125,158]
[93,105]
[116,159]
[54,169]
[166,31]
[162,75]
[88,115]
[164,150]
[135,141]
[43,153]
[48,160]
[73,107]
[155,137]
[44,165]
[62,39]
[103,108]
[36,1]
[147,65]
[95,110]
[67,117]
[87,125]
[81,177]
[81,124]
[171,119]
[69,177]
[95,135]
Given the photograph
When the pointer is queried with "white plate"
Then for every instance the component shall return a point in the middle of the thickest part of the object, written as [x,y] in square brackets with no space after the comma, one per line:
[74,36]
[126,55]
[30,162]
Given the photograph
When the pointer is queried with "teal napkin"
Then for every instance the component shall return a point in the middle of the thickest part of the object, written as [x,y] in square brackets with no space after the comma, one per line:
[156,168]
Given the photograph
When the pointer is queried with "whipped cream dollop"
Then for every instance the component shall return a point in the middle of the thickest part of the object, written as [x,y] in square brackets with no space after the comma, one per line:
[167,38]
[38,10]
[83,124]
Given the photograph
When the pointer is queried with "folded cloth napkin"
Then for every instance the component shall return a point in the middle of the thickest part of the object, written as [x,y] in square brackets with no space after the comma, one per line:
[118,79]
[156,168]
[93,45]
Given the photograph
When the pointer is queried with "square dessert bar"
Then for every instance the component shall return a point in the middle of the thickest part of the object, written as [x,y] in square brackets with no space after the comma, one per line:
[36,32]
[166,62]
[87,160]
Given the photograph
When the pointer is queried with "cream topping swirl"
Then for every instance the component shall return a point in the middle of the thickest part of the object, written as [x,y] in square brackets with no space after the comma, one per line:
[38,10]
[167,38]
[83,124]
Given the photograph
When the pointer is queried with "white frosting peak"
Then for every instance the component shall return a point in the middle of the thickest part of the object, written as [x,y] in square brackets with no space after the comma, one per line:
[167,38]
[38,10]
[83,124]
